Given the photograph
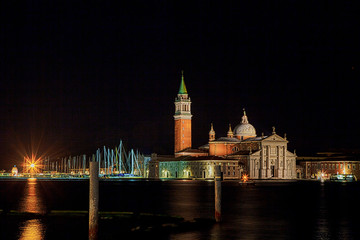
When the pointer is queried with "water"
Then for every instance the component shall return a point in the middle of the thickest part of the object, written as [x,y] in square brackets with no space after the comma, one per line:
[302,210]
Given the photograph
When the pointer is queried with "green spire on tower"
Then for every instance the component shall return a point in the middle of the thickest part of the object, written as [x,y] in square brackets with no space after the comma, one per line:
[182,89]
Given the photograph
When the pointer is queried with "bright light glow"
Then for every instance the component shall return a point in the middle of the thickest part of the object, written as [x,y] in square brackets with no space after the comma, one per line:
[321,175]
[32,164]
[245,178]
[14,171]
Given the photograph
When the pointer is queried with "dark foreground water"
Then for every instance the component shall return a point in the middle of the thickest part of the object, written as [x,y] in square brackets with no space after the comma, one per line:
[300,210]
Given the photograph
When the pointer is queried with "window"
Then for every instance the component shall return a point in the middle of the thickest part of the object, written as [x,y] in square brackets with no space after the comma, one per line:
[273,150]
[348,166]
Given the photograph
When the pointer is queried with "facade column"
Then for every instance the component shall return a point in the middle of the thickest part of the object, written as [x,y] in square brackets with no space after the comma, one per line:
[251,167]
[285,165]
[278,159]
[262,163]
[256,168]
[268,170]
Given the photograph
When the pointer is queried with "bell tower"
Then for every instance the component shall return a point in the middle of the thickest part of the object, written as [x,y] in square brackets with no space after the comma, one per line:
[182,118]
[211,133]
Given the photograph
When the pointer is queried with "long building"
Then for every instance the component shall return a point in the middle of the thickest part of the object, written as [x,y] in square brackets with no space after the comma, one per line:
[239,152]
[326,164]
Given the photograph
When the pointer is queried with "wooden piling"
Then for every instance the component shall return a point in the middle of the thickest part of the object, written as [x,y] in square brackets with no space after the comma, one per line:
[94,200]
[217,193]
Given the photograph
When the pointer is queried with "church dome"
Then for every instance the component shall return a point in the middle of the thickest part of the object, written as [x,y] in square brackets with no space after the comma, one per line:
[244,129]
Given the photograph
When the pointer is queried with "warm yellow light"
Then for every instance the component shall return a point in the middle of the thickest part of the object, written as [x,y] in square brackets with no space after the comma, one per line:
[32,164]
[244,178]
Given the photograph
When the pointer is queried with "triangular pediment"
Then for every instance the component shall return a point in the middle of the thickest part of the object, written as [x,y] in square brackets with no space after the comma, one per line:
[255,154]
[290,154]
[274,138]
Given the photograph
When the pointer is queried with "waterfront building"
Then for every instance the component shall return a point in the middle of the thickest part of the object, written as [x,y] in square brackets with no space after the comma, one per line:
[329,163]
[240,152]
[189,167]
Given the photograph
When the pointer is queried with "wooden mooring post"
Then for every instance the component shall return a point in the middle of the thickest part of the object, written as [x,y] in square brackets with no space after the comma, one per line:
[94,200]
[217,193]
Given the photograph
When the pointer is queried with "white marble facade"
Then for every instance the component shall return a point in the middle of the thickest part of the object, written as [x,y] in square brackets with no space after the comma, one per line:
[272,160]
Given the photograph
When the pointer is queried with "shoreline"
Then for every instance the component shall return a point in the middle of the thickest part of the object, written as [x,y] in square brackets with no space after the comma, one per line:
[106,179]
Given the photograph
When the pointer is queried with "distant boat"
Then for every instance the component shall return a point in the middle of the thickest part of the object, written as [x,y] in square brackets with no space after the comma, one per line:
[343,178]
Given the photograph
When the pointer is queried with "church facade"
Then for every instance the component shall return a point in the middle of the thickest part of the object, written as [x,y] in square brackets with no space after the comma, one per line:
[239,152]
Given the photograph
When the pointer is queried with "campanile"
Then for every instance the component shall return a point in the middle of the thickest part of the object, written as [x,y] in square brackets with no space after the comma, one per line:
[182,118]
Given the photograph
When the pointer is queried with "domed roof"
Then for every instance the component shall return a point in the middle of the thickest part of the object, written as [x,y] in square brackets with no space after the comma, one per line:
[245,128]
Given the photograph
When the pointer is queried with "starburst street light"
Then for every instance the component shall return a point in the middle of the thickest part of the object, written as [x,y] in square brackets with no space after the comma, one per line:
[32,164]
[245,178]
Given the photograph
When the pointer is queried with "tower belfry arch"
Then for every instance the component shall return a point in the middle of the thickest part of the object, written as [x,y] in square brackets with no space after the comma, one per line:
[182,118]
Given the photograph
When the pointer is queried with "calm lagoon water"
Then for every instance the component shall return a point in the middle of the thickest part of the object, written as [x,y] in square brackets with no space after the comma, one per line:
[298,210]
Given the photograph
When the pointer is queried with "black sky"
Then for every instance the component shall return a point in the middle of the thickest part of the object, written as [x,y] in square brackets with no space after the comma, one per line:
[78,76]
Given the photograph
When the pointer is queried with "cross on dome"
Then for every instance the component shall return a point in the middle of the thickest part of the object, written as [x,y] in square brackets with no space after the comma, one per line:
[244,130]
[244,118]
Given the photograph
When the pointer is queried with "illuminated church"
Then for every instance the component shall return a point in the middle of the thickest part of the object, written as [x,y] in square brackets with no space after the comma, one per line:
[240,152]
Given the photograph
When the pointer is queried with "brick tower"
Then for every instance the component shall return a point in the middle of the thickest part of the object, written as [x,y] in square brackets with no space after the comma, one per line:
[182,118]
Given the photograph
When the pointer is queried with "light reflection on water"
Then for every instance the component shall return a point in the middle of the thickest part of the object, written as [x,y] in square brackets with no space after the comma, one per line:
[33,229]
[303,210]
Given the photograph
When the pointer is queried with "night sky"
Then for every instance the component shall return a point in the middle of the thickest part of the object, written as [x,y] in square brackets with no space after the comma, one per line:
[78,76]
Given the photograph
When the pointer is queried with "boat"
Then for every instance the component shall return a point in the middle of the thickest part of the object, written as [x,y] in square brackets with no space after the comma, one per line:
[343,178]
